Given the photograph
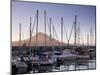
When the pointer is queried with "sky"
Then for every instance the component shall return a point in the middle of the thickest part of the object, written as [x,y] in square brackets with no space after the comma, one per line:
[22,11]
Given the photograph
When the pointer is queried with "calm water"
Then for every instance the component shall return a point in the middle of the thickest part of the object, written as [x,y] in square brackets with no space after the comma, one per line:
[81,66]
[70,66]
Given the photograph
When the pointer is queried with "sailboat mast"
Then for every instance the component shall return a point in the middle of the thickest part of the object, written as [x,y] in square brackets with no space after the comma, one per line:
[75,28]
[91,36]
[50,30]
[78,34]
[30,36]
[30,29]
[61,30]
[53,31]
[20,52]
[87,40]
[45,25]
[20,34]
[37,29]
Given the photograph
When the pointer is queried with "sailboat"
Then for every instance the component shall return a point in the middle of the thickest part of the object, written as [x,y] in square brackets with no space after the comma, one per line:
[19,66]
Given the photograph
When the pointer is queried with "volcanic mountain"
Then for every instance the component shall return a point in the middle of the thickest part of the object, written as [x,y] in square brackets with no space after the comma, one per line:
[40,41]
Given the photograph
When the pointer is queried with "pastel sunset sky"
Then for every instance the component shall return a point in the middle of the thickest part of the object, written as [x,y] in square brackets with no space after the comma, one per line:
[22,11]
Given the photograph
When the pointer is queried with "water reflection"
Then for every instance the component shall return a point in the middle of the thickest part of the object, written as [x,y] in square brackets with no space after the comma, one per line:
[70,66]
[79,66]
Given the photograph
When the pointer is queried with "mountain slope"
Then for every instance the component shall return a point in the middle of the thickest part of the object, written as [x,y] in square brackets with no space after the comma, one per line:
[40,41]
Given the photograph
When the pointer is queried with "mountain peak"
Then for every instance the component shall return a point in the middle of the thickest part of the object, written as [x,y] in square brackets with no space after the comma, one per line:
[40,33]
